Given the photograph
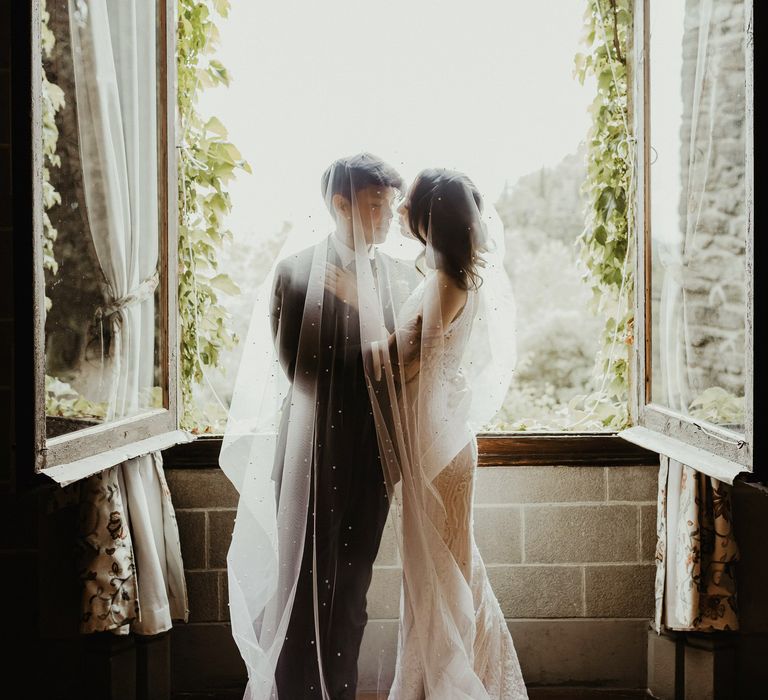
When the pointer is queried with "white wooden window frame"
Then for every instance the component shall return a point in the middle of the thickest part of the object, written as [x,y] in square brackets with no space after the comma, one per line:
[716,451]
[67,458]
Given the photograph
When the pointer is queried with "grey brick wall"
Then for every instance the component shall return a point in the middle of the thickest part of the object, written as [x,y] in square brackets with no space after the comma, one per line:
[569,550]
[204,655]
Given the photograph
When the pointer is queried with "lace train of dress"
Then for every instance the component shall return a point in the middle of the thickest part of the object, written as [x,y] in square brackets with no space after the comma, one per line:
[494,658]
[488,667]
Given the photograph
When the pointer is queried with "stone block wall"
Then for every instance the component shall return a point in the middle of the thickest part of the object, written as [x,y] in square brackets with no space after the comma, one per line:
[569,551]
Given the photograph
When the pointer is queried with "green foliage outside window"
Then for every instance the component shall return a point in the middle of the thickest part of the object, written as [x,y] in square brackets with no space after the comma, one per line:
[557,358]
[605,246]
[207,161]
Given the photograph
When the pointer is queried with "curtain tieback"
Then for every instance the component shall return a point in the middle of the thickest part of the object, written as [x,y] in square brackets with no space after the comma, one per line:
[141,292]
[138,294]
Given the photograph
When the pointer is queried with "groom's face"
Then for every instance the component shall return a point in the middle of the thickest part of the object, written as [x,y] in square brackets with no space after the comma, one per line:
[373,212]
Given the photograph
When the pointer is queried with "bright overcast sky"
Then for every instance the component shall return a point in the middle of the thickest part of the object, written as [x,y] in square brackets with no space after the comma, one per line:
[485,87]
[666,35]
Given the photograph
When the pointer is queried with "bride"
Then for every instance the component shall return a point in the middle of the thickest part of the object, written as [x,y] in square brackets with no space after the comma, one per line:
[453,640]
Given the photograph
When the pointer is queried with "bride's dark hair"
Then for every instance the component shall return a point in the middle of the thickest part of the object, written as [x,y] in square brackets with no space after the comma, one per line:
[446,206]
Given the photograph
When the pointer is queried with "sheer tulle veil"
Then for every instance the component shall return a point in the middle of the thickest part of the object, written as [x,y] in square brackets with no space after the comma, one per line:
[348,342]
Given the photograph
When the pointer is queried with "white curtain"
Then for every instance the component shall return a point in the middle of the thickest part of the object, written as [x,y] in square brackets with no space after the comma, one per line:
[683,256]
[698,224]
[696,543]
[156,548]
[115,67]
[113,45]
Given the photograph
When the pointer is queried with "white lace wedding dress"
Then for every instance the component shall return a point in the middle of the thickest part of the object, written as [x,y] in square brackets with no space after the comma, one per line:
[478,660]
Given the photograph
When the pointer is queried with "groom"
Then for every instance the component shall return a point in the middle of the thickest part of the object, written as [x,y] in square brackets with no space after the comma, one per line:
[344,468]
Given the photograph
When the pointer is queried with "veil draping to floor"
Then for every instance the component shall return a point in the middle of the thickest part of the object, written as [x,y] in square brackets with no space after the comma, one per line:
[362,382]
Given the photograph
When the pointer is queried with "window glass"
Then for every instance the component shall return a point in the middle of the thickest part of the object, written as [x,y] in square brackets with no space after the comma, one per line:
[346,79]
[697,199]
[101,213]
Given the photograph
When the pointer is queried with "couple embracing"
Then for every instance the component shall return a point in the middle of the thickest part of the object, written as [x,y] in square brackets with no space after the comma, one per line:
[363,380]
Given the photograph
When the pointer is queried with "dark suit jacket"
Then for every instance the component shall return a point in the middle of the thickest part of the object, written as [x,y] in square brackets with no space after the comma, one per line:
[331,355]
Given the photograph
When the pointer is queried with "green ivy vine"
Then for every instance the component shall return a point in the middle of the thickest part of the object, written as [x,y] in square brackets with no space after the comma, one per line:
[207,161]
[604,244]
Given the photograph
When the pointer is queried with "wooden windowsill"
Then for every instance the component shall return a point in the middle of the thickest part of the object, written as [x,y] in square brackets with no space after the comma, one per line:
[506,449]
[561,449]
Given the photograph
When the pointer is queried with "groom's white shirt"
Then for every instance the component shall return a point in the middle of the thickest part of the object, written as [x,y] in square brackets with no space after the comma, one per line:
[347,254]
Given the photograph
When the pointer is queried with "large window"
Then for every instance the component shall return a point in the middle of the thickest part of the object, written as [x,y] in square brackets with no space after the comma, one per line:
[105,219]
[695,303]
[344,79]
[306,90]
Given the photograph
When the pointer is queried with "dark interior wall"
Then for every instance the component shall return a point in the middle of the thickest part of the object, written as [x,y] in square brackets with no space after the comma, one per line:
[750,518]
[39,581]
[6,249]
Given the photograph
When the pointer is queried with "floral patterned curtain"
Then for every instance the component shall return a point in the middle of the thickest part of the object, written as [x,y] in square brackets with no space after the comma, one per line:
[105,556]
[696,551]
[130,561]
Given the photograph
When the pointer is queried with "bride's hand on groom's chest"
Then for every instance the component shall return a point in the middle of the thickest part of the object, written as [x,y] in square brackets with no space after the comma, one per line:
[342,283]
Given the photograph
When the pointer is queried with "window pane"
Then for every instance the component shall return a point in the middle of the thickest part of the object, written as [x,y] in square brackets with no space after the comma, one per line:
[520,138]
[697,131]
[100,126]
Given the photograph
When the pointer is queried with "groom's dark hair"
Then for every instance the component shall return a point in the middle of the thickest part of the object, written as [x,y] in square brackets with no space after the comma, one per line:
[361,170]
